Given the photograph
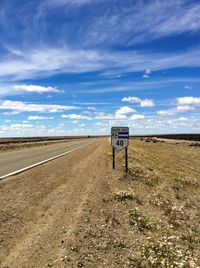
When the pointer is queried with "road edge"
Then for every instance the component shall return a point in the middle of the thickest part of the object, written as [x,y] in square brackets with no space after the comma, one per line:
[40,163]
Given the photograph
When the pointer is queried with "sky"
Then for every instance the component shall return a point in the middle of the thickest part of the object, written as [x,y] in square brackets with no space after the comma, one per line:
[79,67]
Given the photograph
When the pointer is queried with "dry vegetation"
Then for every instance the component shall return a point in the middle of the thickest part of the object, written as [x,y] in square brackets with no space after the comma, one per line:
[7,147]
[147,218]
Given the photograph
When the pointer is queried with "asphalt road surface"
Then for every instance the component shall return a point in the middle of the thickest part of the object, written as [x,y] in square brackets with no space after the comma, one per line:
[18,160]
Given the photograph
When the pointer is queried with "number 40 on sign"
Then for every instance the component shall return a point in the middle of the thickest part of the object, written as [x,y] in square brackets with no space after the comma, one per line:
[119,140]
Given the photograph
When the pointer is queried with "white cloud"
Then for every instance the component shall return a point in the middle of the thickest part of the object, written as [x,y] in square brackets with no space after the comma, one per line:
[131,99]
[184,104]
[102,115]
[119,116]
[35,117]
[35,88]
[147,103]
[142,102]
[20,126]
[187,87]
[184,108]
[76,116]
[176,110]
[182,119]
[27,130]
[147,73]
[20,106]
[188,101]
[91,108]
[137,117]
[125,110]
[168,112]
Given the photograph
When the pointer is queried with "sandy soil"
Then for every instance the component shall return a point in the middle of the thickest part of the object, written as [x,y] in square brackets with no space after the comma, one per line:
[77,212]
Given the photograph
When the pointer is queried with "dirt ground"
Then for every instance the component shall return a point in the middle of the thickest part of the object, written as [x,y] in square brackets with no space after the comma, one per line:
[76,211]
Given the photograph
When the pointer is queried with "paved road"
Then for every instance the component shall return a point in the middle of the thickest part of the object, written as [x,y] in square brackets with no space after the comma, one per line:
[13,161]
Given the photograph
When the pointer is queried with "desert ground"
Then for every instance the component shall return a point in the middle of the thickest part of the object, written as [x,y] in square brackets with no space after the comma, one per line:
[75,211]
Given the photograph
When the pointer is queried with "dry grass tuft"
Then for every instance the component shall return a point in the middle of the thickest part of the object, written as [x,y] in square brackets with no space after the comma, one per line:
[164,253]
[125,195]
[142,222]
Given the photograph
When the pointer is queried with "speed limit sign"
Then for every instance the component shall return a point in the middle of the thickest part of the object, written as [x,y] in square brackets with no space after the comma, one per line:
[119,136]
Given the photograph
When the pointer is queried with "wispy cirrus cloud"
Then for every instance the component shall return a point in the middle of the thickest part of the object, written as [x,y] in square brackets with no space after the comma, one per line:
[36,117]
[45,62]
[139,22]
[61,3]
[48,61]
[35,88]
[186,20]
[19,106]
[76,116]
[111,86]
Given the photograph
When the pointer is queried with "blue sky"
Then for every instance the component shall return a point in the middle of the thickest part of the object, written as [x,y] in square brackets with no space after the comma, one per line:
[76,67]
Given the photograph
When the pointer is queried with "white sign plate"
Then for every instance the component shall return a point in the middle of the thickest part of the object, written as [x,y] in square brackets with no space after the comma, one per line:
[119,137]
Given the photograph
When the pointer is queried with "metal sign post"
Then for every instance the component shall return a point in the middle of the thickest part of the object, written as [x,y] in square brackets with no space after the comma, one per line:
[113,158]
[119,140]
[126,159]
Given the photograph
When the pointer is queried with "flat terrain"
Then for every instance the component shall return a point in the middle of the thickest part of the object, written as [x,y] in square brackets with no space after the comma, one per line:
[76,211]
[191,137]
[9,146]
[17,160]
